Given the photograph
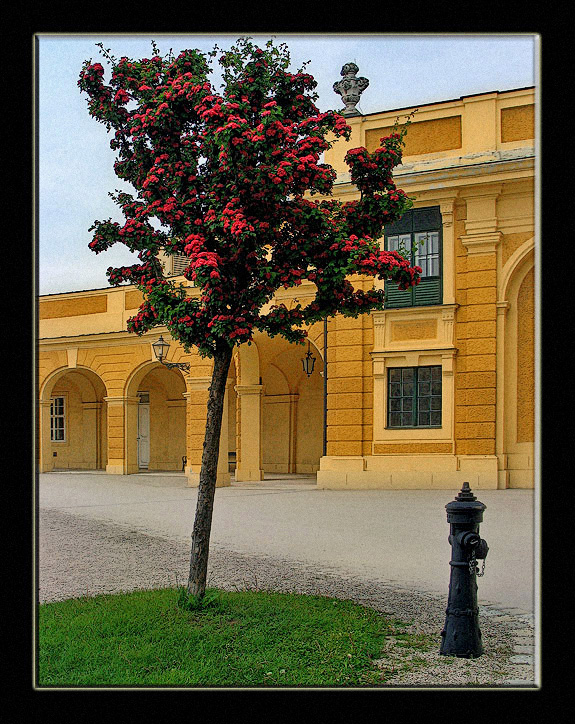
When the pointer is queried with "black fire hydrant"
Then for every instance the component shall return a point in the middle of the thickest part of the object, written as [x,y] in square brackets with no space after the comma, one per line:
[461,636]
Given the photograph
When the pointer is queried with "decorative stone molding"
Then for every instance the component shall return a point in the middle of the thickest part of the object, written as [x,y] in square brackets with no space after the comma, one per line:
[418,322]
[198,384]
[482,235]
[481,243]
[121,400]
[249,389]
[72,355]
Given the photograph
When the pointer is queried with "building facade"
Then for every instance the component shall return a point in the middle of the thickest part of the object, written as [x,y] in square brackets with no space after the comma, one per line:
[436,389]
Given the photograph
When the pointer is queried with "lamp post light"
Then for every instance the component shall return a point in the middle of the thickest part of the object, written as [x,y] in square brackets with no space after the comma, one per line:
[161,347]
[308,361]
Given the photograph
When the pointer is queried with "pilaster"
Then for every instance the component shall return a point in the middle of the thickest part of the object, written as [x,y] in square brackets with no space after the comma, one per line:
[196,414]
[250,399]
[122,420]
[503,473]
[45,459]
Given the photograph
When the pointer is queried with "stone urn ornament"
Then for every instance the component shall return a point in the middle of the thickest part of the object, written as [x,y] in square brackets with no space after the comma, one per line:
[350,88]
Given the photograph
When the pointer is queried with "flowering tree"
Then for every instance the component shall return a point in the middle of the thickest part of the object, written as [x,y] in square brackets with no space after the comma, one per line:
[229,178]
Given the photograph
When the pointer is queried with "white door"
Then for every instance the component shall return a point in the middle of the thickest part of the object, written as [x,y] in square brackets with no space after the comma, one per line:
[143,435]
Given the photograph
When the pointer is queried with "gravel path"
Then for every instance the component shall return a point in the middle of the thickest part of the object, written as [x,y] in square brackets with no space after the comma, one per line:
[80,557]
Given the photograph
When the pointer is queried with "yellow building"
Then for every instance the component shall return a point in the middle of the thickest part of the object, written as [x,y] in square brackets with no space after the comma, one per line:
[436,389]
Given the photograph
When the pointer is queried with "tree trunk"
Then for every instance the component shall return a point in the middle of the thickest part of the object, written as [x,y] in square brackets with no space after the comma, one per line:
[208,473]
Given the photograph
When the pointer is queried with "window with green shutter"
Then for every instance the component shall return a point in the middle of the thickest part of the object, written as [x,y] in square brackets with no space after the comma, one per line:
[417,236]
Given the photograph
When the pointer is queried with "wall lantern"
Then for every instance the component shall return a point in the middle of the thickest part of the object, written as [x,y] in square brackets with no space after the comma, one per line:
[308,361]
[161,348]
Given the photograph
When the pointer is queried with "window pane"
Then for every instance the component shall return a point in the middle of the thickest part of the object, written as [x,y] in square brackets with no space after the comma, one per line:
[395,405]
[424,388]
[395,390]
[436,388]
[427,252]
[407,374]
[395,419]
[392,243]
[424,374]
[407,389]
[395,374]
[405,245]
[422,243]
[436,418]
[423,418]
[436,373]
[436,403]
[407,404]
[424,404]
[406,419]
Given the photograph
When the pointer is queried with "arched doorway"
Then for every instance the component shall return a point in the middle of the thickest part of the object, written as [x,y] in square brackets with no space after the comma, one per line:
[72,421]
[516,376]
[160,420]
[292,408]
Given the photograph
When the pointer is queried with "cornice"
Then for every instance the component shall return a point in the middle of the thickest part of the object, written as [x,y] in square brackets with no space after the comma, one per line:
[458,169]
[96,339]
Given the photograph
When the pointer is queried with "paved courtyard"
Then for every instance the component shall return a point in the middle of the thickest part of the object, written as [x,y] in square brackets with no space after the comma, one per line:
[388,536]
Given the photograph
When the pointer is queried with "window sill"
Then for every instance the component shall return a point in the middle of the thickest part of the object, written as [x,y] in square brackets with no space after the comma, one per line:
[415,427]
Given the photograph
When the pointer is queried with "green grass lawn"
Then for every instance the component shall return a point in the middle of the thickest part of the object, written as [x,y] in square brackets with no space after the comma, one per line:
[242,639]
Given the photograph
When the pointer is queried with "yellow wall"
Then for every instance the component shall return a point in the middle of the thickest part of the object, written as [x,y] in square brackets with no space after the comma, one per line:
[517,123]
[442,134]
[52,309]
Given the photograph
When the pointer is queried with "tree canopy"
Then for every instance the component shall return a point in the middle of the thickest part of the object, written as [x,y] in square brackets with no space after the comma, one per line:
[234,180]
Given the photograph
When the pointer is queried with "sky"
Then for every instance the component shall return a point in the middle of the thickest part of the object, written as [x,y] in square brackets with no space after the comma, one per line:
[75,162]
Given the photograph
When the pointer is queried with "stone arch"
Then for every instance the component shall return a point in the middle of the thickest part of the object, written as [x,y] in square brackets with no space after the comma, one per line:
[158,391]
[521,256]
[310,419]
[516,368]
[84,446]
[293,404]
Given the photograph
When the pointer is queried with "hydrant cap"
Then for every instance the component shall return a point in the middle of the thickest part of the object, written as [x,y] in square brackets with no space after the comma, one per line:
[466,502]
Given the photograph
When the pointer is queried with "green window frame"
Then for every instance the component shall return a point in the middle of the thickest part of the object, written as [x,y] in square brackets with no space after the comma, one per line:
[418,237]
[414,396]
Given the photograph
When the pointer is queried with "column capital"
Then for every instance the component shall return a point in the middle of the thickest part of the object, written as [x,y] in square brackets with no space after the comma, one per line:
[120,399]
[249,389]
[198,383]
[481,243]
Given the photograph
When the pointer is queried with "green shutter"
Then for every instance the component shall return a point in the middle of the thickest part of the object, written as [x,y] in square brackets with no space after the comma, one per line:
[428,291]
[396,298]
